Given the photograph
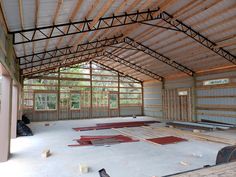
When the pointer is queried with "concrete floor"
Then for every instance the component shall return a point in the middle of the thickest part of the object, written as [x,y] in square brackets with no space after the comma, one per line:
[138,159]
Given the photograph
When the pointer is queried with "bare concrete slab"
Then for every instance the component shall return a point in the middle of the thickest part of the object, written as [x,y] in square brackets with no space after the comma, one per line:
[137,159]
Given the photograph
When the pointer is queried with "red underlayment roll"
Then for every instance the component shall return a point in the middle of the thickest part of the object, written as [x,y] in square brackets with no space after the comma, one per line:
[166,140]
[115,125]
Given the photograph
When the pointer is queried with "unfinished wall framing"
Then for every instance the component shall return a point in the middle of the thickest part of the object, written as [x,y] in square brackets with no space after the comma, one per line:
[81,92]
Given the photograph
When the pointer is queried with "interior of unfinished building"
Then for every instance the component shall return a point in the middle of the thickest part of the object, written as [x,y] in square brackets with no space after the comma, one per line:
[117,88]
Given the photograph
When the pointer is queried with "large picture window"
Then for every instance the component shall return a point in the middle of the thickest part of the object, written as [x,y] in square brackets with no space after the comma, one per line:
[75,101]
[45,101]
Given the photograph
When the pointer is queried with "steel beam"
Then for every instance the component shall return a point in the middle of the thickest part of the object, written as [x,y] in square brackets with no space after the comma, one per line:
[123,74]
[41,33]
[201,39]
[68,51]
[133,66]
[158,56]
[56,64]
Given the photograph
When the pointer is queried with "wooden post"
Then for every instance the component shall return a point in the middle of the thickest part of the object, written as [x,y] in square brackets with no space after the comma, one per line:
[58,93]
[194,100]
[142,100]
[20,102]
[5,118]
[14,111]
[119,94]
[91,89]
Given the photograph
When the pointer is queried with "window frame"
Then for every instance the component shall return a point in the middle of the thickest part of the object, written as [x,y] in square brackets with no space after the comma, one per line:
[117,100]
[75,109]
[45,93]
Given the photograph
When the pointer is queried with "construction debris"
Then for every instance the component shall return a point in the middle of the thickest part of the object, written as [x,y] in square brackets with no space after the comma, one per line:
[102,140]
[46,153]
[196,131]
[116,125]
[167,140]
[200,126]
[183,163]
[83,168]
[103,173]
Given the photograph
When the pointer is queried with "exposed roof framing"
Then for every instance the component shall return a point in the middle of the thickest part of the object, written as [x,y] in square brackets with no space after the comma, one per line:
[55,64]
[133,66]
[172,37]
[197,36]
[123,74]
[158,56]
[48,55]
[40,33]
[67,51]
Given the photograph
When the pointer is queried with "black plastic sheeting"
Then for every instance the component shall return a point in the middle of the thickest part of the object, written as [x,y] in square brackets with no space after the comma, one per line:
[226,154]
[22,129]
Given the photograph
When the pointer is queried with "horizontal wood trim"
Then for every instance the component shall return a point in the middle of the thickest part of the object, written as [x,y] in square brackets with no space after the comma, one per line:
[153,110]
[130,105]
[153,106]
[151,87]
[130,98]
[138,93]
[216,108]
[160,93]
[217,115]
[214,78]
[230,85]
[222,96]
[152,98]
[217,70]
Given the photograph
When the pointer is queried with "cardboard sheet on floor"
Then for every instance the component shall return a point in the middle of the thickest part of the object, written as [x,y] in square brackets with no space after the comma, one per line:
[166,140]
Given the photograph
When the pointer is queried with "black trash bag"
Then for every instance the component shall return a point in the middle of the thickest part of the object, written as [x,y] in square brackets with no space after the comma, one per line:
[226,154]
[103,173]
[22,129]
[25,119]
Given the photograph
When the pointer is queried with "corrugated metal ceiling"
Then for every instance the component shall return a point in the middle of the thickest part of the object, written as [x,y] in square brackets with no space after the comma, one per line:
[215,19]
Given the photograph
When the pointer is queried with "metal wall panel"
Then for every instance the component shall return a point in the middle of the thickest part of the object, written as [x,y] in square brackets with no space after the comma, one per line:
[131,110]
[152,97]
[187,82]
[217,102]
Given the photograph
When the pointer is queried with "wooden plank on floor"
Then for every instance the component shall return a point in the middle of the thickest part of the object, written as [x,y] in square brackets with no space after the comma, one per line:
[226,170]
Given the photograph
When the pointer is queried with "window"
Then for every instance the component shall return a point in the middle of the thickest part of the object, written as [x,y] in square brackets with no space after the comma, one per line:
[216,81]
[45,101]
[113,101]
[75,101]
